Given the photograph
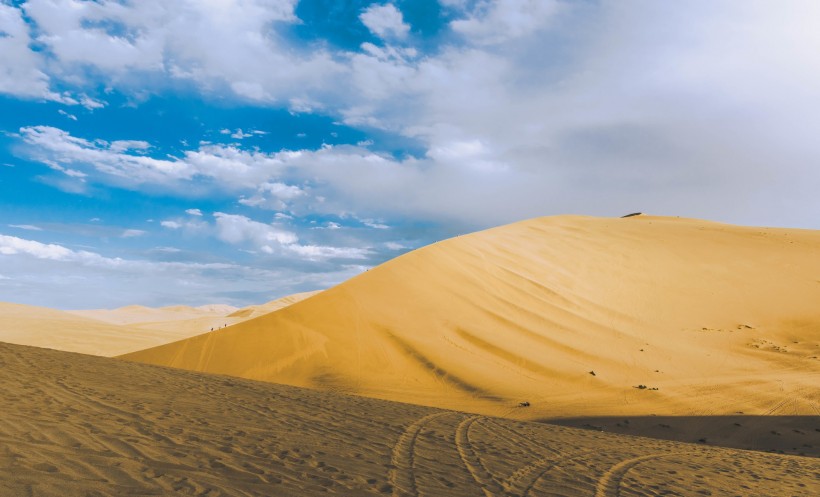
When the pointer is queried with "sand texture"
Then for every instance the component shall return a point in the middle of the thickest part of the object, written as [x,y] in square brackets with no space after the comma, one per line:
[77,425]
[111,332]
[584,318]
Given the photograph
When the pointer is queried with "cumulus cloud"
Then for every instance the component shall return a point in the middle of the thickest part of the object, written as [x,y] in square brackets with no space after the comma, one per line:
[20,73]
[11,245]
[228,42]
[59,149]
[194,212]
[275,196]
[535,107]
[385,21]
[234,228]
[275,239]
[599,109]
[497,21]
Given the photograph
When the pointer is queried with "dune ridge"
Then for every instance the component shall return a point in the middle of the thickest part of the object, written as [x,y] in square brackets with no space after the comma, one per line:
[576,316]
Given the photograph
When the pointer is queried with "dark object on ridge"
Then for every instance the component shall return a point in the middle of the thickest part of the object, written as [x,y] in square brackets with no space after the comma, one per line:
[524,404]
[592,373]
[633,214]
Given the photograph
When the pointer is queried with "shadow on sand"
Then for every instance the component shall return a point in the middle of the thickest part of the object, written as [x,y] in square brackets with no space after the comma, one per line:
[796,435]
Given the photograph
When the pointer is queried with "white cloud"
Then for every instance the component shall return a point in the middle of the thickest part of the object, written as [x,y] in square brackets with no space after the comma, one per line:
[12,245]
[194,212]
[535,108]
[174,225]
[234,228]
[215,43]
[58,148]
[28,227]
[67,115]
[316,252]
[20,73]
[132,233]
[497,21]
[275,239]
[274,196]
[375,225]
[385,21]
[119,146]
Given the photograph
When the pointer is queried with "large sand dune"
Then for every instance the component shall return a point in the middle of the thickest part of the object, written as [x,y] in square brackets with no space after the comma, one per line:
[581,317]
[76,425]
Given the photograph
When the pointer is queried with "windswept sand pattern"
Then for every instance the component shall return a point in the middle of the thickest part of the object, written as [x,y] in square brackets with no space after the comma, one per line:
[75,425]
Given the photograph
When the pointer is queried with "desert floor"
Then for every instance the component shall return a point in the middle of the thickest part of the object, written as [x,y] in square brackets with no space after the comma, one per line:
[77,425]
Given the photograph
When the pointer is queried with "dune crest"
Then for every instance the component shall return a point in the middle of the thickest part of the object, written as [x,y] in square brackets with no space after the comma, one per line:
[576,316]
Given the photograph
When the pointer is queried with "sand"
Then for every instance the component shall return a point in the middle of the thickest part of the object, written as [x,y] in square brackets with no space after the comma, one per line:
[583,318]
[114,332]
[77,425]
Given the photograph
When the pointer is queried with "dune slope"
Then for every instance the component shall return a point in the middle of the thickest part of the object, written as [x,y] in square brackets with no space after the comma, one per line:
[76,425]
[578,316]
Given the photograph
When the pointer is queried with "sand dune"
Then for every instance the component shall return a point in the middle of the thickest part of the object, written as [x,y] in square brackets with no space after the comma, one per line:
[110,332]
[254,311]
[43,327]
[76,425]
[581,317]
[138,314]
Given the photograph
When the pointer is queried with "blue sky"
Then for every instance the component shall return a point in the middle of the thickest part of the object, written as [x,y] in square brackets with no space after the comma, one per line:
[235,151]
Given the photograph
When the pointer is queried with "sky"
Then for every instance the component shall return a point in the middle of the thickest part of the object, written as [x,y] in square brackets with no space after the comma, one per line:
[236,151]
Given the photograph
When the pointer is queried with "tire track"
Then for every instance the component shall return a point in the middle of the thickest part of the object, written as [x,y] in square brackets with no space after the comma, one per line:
[528,476]
[401,476]
[488,483]
[609,483]
[534,448]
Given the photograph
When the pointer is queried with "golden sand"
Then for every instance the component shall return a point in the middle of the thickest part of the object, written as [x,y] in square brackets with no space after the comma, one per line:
[580,317]
[77,425]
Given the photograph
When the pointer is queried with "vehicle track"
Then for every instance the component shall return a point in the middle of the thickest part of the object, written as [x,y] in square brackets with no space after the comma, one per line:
[401,475]
[488,483]
[609,483]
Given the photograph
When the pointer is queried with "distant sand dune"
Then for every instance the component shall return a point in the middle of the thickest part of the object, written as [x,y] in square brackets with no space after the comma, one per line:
[107,332]
[76,425]
[579,316]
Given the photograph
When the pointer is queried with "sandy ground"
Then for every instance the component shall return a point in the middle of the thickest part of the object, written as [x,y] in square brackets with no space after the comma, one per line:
[584,318]
[111,332]
[76,425]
